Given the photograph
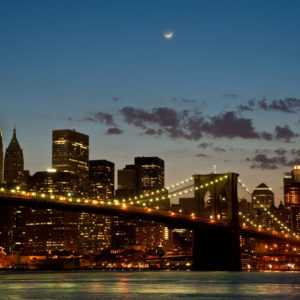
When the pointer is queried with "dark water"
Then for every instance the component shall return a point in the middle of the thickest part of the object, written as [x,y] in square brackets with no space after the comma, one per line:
[149,285]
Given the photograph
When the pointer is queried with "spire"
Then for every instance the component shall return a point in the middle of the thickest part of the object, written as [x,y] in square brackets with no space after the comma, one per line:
[14,144]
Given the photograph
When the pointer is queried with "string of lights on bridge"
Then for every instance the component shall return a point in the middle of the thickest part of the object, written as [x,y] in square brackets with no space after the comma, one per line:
[271,215]
[142,200]
[150,198]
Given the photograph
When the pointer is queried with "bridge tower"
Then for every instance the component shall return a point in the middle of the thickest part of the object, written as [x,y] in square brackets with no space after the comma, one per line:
[217,248]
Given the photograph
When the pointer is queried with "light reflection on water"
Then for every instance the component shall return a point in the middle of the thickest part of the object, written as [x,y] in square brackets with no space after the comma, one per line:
[148,285]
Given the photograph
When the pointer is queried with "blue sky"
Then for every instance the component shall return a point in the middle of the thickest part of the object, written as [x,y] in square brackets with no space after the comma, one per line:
[225,90]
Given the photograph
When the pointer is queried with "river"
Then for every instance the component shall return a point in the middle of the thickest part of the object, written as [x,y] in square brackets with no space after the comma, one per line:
[82,285]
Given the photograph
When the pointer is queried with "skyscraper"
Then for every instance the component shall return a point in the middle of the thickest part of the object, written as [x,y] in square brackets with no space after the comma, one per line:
[13,162]
[291,183]
[70,152]
[127,182]
[151,173]
[95,230]
[101,179]
[262,195]
[1,158]
[43,230]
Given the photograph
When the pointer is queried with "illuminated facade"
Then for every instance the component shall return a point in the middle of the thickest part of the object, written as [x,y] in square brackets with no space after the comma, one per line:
[95,230]
[14,162]
[94,233]
[1,158]
[70,152]
[101,179]
[262,197]
[40,231]
[54,182]
[127,182]
[153,236]
[146,175]
[151,173]
[295,213]
[291,182]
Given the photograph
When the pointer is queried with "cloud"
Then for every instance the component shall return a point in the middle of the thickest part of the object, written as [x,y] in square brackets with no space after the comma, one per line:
[244,108]
[286,105]
[151,131]
[190,124]
[184,100]
[205,145]
[219,149]
[97,117]
[262,161]
[229,125]
[232,95]
[114,131]
[273,159]
[202,155]
[280,151]
[284,133]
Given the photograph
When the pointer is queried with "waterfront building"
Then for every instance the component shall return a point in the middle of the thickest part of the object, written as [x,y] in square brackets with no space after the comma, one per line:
[295,219]
[70,152]
[145,176]
[95,230]
[39,231]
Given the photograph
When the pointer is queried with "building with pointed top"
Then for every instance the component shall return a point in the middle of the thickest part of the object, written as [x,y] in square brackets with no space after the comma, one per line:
[13,162]
[262,195]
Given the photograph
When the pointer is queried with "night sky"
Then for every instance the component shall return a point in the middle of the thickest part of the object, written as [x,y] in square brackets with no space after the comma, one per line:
[224,91]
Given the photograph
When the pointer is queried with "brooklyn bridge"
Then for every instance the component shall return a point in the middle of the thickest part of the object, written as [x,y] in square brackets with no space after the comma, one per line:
[218,232]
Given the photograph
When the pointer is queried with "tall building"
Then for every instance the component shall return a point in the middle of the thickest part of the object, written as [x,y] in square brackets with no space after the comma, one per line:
[101,179]
[291,183]
[146,175]
[70,152]
[14,162]
[54,182]
[1,158]
[151,173]
[39,231]
[127,182]
[262,197]
[95,230]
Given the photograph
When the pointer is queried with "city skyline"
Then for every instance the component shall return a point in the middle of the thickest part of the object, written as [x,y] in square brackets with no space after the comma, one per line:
[224,90]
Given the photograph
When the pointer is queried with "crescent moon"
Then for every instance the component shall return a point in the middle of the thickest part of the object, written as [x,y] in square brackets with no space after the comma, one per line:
[169,35]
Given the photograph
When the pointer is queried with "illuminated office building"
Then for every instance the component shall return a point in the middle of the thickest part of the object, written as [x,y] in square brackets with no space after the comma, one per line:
[95,230]
[54,182]
[39,231]
[262,197]
[291,183]
[151,173]
[127,182]
[101,179]
[14,162]
[145,176]
[70,152]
